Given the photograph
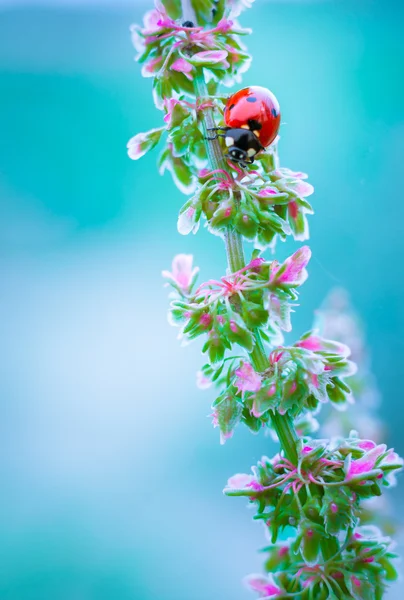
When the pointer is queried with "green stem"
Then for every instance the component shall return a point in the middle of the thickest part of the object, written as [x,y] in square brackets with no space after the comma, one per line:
[283,424]
[188,13]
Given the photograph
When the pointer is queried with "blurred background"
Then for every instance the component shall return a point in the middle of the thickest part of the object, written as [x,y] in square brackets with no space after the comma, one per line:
[111,472]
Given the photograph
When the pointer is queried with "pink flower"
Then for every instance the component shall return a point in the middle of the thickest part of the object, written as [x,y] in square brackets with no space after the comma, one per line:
[365,463]
[182,274]
[247,379]
[265,586]
[292,271]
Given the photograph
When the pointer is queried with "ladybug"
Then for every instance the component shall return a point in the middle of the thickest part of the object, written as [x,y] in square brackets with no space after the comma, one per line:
[252,118]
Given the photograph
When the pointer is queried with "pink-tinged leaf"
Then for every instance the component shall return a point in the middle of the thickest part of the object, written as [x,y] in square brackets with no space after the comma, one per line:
[176,112]
[303,189]
[366,463]
[141,143]
[151,67]
[240,481]
[224,25]
[157,19]
[247,379]
[226,416]
[188,221]
[267,192]
[202,382]
[182,274]
[279,312]
[293,271]
[137,40]
[317,344]
[366,445]
[210,57]
[265,586]
[182,66]
[151,20]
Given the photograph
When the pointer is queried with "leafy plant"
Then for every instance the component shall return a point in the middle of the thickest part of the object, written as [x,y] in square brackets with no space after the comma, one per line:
[309,496]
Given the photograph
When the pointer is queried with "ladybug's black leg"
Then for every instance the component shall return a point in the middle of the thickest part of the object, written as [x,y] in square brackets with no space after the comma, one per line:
[222,135]
[218,128]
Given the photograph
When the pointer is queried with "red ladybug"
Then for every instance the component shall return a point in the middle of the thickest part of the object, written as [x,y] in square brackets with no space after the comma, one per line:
[252,118]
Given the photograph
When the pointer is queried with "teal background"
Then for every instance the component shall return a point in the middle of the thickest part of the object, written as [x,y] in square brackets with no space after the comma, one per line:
[111,472]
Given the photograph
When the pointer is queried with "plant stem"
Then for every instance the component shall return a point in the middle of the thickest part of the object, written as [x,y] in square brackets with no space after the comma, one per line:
[283,424]
[188,13]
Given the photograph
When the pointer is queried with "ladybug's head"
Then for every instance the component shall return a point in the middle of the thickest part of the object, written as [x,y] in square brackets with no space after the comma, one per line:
[237,154]
[242,145]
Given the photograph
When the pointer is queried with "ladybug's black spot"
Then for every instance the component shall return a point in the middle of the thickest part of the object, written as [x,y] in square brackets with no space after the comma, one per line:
[232,106]
[274,113]
[254,125]
[251,99]
[188,24]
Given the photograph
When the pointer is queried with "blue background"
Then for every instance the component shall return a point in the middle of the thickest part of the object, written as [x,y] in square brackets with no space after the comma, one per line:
[111,473]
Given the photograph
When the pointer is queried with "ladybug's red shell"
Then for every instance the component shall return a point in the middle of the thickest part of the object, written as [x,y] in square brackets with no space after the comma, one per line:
[255,108]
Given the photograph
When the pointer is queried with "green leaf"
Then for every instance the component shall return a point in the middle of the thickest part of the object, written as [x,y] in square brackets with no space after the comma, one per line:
[310,541]
[223,215]
[162,89]
[279,311]
[237,334]
[178,114]
[216,346]
[228,411]
[254,315]
[254,424]
[189,216]
[338,511]
[246,223]
[182,173]
[266,398]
